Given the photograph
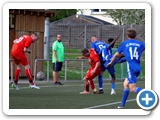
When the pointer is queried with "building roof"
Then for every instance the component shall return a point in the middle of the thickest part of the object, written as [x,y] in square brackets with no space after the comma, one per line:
[81,19]
[36,12]
[97,20]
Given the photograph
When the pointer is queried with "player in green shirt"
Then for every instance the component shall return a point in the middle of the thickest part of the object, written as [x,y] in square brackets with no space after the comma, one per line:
[57,59]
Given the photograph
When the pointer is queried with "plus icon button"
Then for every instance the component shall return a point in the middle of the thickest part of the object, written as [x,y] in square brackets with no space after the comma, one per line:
[147,99]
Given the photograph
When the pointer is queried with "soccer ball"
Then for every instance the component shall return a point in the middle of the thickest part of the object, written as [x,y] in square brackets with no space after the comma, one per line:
[40,75]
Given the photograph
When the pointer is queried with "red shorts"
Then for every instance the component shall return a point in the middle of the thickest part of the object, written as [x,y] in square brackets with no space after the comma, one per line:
[89,76]
[19,58]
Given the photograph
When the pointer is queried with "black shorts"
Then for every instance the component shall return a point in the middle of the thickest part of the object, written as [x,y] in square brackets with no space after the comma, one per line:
[57,66]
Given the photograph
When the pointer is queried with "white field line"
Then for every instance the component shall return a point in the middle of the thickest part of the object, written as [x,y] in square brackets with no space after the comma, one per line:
[65,85]
[108,104]
[57,86]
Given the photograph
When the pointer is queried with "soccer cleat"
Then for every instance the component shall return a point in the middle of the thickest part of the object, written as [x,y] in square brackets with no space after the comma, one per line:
[113,92]
[84,92]
[58,83]
[119,107]
[34,87]
[15,87]
[94,91]
[100,91]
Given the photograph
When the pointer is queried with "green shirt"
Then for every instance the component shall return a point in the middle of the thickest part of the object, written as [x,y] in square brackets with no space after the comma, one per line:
[59,49]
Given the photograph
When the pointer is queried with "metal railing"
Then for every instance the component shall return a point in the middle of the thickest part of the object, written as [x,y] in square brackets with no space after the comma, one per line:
[65,69]
[10,60]
[35,68]
[66,63]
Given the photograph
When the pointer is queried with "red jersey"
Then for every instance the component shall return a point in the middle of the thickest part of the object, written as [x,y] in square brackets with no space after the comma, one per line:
[93,58]
[21,43]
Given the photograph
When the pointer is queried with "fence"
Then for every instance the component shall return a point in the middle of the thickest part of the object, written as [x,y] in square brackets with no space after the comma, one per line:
[65,71]
[78,36]
[76,69]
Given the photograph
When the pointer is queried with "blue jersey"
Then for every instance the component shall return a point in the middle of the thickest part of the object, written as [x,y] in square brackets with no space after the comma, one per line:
[106,57]
[97,46]
[132,50]
[106,53]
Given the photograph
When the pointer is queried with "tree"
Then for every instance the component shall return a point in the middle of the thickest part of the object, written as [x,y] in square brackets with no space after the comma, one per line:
[63,13]
[127,16]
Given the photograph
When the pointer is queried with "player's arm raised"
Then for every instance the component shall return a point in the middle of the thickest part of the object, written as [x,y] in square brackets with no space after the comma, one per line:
[113,41]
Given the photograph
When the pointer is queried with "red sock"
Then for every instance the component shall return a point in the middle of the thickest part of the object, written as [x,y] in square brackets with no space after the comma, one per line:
[29,76]
[86,86]
[91,84]
[16,76]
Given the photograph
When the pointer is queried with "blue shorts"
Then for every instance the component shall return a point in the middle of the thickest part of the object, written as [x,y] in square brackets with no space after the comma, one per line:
[111,69]
[132,76]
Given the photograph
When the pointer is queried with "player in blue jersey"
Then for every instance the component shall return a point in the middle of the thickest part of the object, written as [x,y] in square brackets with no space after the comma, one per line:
[98,45]
[132,50]
[106,58]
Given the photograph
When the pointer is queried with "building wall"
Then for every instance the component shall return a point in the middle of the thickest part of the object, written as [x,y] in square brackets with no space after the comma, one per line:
[27,24]
[97,13]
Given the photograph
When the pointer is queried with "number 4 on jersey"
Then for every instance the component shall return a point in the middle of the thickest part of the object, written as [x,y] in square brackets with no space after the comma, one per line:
[133,54]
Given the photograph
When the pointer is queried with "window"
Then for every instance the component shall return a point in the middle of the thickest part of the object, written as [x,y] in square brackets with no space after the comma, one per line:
[95,10]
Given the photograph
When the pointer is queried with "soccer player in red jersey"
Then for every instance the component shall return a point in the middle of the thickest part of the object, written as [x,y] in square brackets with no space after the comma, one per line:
[19,48]
[93,71]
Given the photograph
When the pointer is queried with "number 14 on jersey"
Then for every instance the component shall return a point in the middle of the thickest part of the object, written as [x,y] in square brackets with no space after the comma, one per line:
[133,53]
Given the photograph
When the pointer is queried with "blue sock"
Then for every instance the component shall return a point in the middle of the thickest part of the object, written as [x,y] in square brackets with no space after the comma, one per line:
[124,96]
[112,85]
[137,90]
[122,60]
[100,81]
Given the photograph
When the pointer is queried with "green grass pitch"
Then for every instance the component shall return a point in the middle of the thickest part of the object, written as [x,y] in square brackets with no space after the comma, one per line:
[67,96]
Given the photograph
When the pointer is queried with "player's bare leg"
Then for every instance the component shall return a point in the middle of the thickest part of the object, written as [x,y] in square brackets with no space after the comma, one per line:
[86,86]
[134,88]
[55,76]
[91,83]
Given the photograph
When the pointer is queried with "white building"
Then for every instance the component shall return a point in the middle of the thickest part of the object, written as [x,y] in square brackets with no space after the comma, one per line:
[97,13]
